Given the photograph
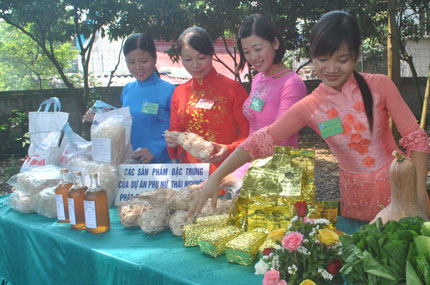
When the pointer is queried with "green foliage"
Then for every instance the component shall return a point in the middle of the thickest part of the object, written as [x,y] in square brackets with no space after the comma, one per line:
[14,133]
[23,66]
[377,254]
[12,168]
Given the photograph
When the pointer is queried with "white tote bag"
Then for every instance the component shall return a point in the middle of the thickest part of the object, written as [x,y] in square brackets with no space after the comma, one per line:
[45,130]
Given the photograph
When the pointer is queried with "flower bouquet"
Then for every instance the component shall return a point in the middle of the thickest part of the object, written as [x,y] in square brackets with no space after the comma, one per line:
[309,253]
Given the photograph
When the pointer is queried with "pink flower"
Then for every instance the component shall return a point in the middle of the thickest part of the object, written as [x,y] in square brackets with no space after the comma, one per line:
[292,241]
[308,220]
[272,278]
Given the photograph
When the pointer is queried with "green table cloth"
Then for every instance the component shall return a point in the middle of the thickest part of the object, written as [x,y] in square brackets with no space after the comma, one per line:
[38,250]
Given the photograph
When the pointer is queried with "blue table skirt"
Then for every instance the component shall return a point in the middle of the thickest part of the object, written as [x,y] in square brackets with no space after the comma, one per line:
[38,250]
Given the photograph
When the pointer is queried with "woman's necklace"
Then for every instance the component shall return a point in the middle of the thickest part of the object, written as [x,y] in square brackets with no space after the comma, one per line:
[202,92]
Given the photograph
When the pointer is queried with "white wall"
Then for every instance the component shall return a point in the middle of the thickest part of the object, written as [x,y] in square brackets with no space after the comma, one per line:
[420,52]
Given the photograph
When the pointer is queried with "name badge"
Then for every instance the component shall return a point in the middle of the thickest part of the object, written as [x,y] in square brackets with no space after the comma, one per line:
[330,128]
[205,103]
[256,104]
[150,108]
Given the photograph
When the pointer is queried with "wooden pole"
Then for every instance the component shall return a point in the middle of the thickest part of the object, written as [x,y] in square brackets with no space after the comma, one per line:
[426,96]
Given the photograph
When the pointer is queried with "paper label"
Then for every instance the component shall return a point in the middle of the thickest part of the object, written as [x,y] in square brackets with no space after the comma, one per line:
[205,103]
[90,214]
[138,178]
[150,108]
[330,128]
[61,215]
[256,104]
[101,148]
[72,217]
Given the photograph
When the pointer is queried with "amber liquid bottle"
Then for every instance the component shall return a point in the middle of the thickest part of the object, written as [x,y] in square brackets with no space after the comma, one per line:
[61,196]
[96,207]
[76,202]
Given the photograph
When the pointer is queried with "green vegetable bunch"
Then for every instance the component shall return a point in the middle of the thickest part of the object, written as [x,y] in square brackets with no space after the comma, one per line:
[418,262]
[379,254]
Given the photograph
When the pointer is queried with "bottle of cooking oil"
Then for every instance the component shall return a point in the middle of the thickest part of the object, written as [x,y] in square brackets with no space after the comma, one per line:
[96,207]
[61,196]
[76,202]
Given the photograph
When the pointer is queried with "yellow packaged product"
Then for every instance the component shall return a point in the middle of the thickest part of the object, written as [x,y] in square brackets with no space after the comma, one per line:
[192,233]
[244,248]
[214,243]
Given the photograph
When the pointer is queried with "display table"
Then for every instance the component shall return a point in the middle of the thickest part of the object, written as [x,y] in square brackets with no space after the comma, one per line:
[38,250]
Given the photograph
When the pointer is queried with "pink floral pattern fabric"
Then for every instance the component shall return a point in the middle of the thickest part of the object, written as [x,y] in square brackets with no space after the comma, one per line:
[415,141]
[363,154]
[259,144]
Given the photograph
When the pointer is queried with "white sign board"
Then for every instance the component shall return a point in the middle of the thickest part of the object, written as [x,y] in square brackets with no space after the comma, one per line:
[137,178]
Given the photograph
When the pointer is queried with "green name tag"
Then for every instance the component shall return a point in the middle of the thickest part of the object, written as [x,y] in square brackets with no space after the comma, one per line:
[256,104]
[150,108]
[330,128]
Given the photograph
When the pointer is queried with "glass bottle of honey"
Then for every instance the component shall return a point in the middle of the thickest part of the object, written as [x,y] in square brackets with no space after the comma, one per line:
[75,199]
[61,196]
[96,207]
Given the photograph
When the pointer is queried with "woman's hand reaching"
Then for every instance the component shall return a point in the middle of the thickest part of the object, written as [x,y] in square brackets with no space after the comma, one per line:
[88,116]
[221,152]
[143,155]
[210,190]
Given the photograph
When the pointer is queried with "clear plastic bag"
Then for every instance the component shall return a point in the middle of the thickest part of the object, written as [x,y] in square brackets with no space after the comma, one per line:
[110,136]
[21,201]
[44,203]
[36,179]
[108,175]
[73,146]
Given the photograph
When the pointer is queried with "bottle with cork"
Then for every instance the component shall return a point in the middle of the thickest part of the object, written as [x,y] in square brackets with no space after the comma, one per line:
[75,199]
[61,196]
[96,207]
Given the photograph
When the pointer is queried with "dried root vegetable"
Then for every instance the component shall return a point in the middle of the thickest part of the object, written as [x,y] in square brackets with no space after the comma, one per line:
[195,144]
[112,129]
[130,212]
[154,220]
[178,220]
[158,198]
[184,198]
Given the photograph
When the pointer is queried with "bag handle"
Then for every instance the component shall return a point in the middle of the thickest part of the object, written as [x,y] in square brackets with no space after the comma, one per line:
[51,101]
[68,132]
[100,106]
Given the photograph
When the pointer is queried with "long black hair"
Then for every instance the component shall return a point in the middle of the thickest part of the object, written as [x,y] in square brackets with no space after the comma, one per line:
[197,38]
[328,34]
[140,41]
[262,27]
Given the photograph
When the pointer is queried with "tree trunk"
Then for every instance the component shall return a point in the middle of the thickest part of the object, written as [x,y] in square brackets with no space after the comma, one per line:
[393,55]
[393,46]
